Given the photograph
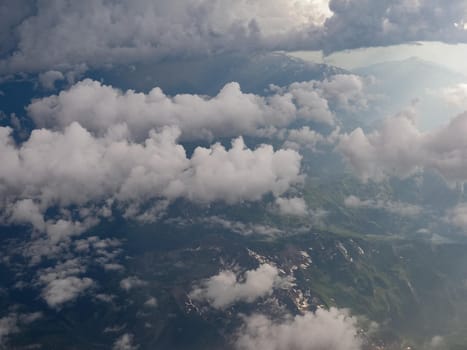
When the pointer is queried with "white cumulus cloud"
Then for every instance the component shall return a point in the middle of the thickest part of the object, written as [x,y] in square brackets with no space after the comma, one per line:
[401,149]
[325,329]
[225,288]
[230,113]
[292,206]
[72,167]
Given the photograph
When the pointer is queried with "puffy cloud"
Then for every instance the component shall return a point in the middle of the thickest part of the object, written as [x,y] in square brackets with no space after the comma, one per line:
[344,91]
[59,291]
[12,14]
[225,288]
[131,282]
[398,208]
[12,323]
[125,342]
[304,137]
[26,211]
[292,206]
[437,342]
[99,107]
[151,302]
[457,216]
[65,280]
[62,284]
[310,139]
[74,168]
[48,79]
[456,95]
[98,33]
[325,329]
[399,148]
[241,174]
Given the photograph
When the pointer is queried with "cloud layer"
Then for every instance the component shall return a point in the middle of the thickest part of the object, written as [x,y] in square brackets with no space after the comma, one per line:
[99,33]
[74,168]
[231,113]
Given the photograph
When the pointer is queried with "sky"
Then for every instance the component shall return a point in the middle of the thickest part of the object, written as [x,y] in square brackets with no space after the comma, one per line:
[451,56]
[84,150]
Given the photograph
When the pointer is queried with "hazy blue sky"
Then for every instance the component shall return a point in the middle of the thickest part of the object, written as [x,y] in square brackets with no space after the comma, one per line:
[452,56]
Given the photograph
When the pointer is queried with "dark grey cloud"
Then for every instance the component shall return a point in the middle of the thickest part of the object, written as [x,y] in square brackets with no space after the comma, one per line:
[366,23]
[12,13]
[61,35]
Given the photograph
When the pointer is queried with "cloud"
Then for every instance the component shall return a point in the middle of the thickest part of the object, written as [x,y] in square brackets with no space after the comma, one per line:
[238,227]
[63,290]
[309,139]
[225,288]
[12,14]
[113,267]
[26,211]
[65,279]
[230,113]
[456,95]
[101,33]
[13,322]
[73,168]
[151,302]
[112,32]
[125,342]
[62,284]
[131,282]
[457,216]
[325,329]
[345,92]
[437,342]
[398,208]
[400,148]
[365,23]
[304,137]
[48,79]
[98,107]
[292,206]
[241,174]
